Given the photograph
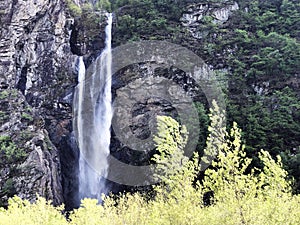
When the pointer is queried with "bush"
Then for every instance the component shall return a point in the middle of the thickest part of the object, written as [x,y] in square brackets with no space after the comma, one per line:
[9,150]
[260,196]
[22,212]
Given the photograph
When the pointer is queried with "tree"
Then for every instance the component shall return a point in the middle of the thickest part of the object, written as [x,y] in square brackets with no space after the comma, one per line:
[175,170]
[260,197]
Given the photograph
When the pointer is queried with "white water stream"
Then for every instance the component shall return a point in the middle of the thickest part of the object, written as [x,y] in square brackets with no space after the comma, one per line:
[93,107]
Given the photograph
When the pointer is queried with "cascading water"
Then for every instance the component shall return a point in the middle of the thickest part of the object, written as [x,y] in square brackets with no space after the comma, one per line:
[92,122]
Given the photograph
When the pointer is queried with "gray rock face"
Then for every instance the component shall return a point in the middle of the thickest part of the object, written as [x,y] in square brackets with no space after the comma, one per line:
[28,160]
[39,45]
[220,12]
[36,81]
[41,171]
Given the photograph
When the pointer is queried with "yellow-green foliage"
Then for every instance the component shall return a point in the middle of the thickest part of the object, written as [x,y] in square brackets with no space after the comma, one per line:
[239,196]
[21,212]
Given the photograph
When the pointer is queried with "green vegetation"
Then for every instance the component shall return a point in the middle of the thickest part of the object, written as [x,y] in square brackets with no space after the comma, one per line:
[259,196]
[3,117]
[4,94]
[258,47]
[103,4]
[147,19]
[75,10]
[22,212]
[26,116]
[9,152]
[8,93]
[8,187]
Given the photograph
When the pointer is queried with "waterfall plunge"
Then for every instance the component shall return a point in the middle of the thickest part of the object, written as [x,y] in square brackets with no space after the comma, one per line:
[92,122]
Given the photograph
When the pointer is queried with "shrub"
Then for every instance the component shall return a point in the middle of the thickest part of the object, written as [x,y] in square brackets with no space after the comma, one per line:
[9,150]
[260,196]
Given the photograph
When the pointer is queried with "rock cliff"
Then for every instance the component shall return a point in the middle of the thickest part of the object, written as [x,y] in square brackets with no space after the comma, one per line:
[36,93]
[39,44]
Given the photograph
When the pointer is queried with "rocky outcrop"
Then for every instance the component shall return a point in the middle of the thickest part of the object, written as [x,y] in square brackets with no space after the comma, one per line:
[39,44]
[36,88]
[195,13]
[29,161]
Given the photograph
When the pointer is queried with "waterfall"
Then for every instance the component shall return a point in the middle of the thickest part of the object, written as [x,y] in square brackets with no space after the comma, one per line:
[92,122]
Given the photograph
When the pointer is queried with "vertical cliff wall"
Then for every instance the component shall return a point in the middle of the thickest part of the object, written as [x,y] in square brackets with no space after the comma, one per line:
[40,41]
[36,93]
